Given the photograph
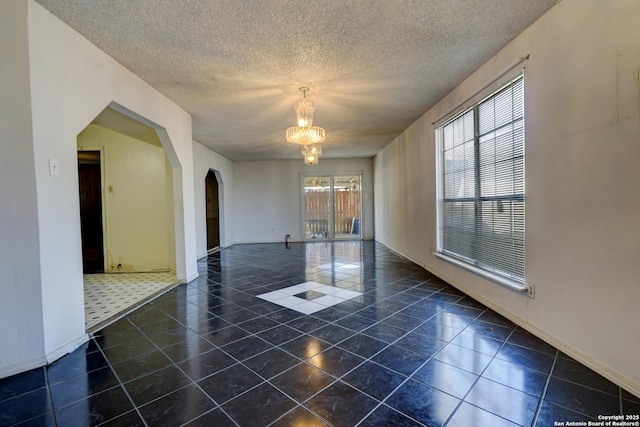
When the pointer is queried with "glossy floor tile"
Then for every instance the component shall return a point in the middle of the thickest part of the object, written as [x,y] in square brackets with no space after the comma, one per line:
[318,334]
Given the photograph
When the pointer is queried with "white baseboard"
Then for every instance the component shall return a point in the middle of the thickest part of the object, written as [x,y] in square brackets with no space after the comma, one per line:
[67,348]
[593,364]
[581,357]
[39,362]
[190,278]
[23,366]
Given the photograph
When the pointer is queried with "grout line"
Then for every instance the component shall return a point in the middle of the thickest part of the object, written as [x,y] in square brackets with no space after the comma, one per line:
[121,384]
[544,390]
[462,400]
[306,362]
[369,359]
[195,383]
[621,403]
[240,286]
[48,386]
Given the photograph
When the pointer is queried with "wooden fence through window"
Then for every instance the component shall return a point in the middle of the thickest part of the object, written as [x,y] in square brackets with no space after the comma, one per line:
[318,211]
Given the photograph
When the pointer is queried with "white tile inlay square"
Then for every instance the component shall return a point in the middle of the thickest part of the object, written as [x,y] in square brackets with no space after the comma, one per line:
[290,301]
[274,296]
[308,307]
[287,298]
[328,300]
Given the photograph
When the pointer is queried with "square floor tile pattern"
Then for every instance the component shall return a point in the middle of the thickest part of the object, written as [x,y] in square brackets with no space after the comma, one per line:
[392,345]
[309,297]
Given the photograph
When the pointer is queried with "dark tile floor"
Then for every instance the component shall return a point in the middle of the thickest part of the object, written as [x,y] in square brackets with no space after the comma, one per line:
[409,350]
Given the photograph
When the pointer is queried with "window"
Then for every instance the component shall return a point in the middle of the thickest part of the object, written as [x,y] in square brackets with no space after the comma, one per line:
[481,180]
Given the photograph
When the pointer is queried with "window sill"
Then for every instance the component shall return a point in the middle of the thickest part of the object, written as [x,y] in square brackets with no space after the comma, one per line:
[485,274]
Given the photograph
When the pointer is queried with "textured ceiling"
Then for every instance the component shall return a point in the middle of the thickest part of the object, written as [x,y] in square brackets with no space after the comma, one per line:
[373,67]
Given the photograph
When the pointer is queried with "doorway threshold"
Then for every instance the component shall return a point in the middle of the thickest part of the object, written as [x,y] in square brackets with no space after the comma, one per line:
[213,250]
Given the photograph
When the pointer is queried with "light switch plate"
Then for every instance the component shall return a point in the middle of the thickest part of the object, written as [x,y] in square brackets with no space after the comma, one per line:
[54,168]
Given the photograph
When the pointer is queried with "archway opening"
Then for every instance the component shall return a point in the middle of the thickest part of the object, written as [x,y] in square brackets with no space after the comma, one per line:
[132,194]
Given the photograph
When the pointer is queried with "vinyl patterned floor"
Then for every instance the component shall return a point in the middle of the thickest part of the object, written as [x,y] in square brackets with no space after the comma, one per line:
[341,334]
[109,295]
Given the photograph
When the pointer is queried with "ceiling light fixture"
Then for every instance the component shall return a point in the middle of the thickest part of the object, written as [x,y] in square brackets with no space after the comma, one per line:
[311,159]
[315,149]
[305,133]
[311,154]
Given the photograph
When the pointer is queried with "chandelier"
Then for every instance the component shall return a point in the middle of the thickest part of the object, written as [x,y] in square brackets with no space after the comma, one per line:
[305,133]
[311,153]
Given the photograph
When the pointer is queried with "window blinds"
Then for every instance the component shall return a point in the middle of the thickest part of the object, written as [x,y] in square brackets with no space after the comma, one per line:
[482,175]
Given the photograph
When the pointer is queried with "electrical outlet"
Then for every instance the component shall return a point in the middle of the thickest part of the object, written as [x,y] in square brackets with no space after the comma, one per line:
[531,291]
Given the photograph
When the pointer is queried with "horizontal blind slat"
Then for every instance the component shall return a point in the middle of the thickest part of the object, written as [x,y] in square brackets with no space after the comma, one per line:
[486,229]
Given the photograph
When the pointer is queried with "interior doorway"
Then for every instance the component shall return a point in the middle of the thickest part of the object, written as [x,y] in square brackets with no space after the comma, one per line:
[332,207]
[212,211]
[90,188]
[127,215]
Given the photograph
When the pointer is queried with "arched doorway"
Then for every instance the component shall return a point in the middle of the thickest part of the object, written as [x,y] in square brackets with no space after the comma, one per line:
[128,227]
[212,203]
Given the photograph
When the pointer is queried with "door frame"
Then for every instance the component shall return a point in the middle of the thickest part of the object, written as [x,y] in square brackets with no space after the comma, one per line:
[216,176]
[103,202]
[331,176]
[221,209]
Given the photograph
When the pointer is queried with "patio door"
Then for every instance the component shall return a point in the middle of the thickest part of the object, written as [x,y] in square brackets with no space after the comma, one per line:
[332,207]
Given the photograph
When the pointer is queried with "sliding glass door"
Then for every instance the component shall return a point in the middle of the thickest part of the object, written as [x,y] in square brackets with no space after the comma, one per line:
[346,207]
[317,207]
[332,207]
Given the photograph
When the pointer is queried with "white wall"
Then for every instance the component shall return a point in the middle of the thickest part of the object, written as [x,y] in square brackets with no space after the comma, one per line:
[267,197]
[582,102]
[70,82]
[20,304]
[205,160]
[136,219]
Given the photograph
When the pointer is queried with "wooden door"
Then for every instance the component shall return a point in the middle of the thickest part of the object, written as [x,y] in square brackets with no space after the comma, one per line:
[90,187]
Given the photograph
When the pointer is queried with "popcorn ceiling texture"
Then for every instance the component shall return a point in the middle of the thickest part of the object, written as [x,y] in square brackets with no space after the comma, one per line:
[373,67]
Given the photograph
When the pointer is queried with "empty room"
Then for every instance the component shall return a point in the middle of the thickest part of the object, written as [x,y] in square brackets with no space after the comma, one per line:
[323,213]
